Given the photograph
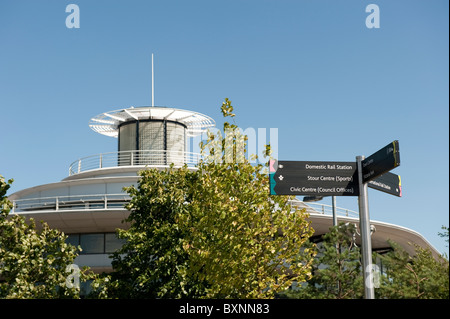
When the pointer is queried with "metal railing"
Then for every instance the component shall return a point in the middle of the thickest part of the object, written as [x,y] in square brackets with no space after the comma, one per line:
[316,208]
[68,203]
[114,201]
[134,158]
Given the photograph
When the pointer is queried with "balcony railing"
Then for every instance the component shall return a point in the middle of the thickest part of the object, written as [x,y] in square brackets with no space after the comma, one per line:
[134,158]
[73,202]
[118,201]
[324,209]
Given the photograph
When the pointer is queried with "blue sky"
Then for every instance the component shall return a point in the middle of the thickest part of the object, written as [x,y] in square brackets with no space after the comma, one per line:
[334,88]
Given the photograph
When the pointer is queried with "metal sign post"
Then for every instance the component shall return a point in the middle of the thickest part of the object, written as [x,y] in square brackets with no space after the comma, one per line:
[317,179]
[333,203]
[364,226]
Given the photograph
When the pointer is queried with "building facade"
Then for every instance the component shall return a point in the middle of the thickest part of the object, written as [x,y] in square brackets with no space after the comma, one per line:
[88,205]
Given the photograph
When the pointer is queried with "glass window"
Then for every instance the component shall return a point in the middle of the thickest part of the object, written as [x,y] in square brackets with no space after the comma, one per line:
[92,243]
[112,243]
[73,239]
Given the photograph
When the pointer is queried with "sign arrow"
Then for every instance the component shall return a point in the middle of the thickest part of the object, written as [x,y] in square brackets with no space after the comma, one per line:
[381,162]
[389,183]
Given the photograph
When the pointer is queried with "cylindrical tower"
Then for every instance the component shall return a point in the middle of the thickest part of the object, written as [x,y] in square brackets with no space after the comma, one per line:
[151,135]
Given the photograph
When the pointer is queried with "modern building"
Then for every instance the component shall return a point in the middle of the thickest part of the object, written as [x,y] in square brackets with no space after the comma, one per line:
[88,205]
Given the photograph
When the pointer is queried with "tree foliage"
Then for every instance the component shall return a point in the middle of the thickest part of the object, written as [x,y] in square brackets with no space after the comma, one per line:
[213,232]
[444,234]
[337,271]
[33,263]
[337,267]
[153,262]
[421,276]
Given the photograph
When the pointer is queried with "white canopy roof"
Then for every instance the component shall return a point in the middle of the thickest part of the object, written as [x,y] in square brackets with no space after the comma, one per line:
[108,123]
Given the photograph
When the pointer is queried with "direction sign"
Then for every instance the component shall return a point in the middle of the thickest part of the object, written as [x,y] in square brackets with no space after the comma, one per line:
[313,178]
[318,179]
[388,183]
[381,162]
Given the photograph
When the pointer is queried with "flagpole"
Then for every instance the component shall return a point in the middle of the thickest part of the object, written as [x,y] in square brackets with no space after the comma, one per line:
[153,84]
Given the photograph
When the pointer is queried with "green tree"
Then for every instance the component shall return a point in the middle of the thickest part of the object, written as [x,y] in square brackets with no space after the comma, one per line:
[153,263]
[444,234]
[214,232]
[33,263]
[421,276]
[337,268]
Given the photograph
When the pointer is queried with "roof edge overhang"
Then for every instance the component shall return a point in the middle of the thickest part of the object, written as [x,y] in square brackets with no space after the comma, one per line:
[108,123]
[384,231]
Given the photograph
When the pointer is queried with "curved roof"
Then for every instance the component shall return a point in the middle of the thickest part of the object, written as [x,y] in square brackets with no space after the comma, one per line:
[321,221]
[383,232]
[108,123]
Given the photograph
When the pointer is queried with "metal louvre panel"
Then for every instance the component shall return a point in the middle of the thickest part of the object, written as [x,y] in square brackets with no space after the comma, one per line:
[127,142]
[175,143]
[151,135]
